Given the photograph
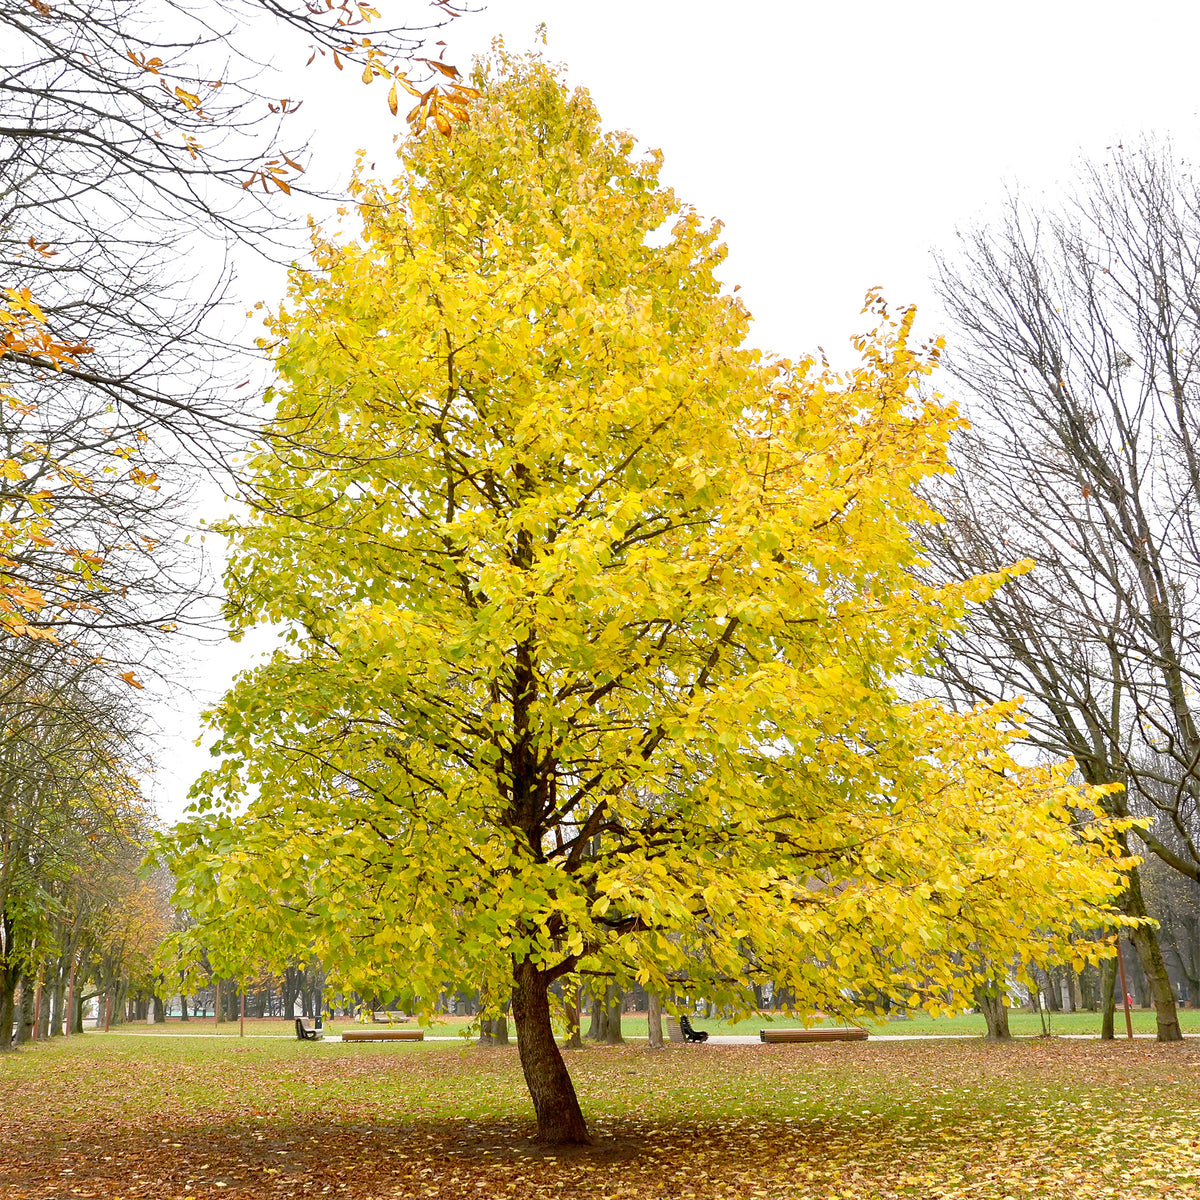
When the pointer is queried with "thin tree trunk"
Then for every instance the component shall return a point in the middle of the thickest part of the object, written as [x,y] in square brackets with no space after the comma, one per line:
[559,1117]
[1108,995]
[571,1008]
[56,1006]
[654,1022]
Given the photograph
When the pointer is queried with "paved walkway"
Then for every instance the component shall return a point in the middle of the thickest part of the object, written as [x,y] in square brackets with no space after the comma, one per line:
[716,1039]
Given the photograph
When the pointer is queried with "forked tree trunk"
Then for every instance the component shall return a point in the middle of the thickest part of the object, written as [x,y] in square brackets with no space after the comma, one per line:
[597,1029]
[990,998]
[559,1117]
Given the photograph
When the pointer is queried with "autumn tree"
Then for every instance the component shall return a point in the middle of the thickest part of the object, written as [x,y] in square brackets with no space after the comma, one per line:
[591,615]
[1077,358]
[73,829]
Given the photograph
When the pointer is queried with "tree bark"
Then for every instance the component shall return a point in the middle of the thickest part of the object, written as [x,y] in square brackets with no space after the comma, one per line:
[1145,942]
[1108,995]
[990,998]
[614,998]
[27,1015]
[598,1024]
[654,1022]
[57,1004]
[559,1117]
[6,1017]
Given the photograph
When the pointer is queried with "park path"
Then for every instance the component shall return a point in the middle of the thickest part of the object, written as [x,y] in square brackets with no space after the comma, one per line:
[716,1039]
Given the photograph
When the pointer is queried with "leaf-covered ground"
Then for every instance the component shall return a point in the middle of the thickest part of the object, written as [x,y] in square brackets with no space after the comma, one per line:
[129,1117]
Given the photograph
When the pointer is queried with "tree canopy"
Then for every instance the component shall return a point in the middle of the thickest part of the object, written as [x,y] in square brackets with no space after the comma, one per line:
[592,622]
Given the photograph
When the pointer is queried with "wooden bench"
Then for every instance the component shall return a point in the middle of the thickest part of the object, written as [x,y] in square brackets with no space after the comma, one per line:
[812,1035]
[383,1035]
[308,1030]
[390,1018]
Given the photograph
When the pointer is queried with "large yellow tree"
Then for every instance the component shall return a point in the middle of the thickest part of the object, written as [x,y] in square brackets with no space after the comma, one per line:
[592,617]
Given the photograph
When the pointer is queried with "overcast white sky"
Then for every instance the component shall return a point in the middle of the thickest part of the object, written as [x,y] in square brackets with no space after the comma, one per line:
[838,142]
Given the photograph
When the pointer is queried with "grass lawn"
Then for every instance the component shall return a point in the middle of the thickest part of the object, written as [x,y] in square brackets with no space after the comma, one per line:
[121,1116]
[1022,1024]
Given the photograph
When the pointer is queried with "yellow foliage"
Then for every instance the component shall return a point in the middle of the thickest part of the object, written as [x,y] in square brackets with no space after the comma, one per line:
[595,617]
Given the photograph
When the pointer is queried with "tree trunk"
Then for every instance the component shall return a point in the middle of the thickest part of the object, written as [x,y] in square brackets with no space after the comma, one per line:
[1145,942]
[1108,995]
[27,1015]
[990,998]
[654,1022]
[7,994]
[183,1012]
[598,1024]
[559,1117]
[612,1031]
[56,1006]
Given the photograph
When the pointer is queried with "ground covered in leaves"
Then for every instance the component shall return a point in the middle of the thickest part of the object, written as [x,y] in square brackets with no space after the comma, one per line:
[128,1117]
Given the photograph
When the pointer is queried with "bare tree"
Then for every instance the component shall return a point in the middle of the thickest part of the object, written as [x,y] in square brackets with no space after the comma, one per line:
[143,145]
[1077,352]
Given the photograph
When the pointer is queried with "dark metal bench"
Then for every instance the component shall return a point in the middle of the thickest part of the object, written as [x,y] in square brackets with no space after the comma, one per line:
[690,1034]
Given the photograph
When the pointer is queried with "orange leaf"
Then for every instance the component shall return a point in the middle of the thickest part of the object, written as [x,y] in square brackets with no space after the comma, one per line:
[393,104]
[130,679]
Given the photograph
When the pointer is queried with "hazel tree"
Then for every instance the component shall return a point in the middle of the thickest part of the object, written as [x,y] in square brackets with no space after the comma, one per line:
[591,615]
